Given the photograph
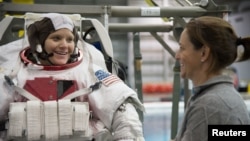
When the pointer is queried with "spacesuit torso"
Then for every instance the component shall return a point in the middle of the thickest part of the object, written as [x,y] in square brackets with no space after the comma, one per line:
[58,83]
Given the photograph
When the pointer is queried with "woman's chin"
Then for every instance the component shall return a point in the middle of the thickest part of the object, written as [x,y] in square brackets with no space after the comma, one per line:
[59,62]
[183,75]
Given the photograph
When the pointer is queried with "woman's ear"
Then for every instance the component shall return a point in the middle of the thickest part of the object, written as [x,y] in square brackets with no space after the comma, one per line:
[205,52]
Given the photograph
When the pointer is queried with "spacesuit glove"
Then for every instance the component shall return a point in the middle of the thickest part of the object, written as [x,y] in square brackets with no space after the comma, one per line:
[99,132]
[3,135]
[103,135]
[138,139]
[126,124]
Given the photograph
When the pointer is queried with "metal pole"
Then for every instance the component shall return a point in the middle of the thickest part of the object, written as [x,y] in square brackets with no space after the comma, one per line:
[85,10]
[127,27]
[163,43]
[137,68]
[115,11]
[187,11]
[175,101]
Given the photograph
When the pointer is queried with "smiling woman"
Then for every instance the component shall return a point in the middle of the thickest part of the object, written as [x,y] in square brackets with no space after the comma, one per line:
[208,45]
[57,85]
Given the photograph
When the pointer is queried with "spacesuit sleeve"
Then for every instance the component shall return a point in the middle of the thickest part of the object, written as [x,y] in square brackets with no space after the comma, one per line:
[9,59]
[6,97]
[115,104]
[111,95]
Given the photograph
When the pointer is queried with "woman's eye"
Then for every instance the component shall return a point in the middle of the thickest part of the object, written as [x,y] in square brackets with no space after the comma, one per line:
[56,38]
[70,40]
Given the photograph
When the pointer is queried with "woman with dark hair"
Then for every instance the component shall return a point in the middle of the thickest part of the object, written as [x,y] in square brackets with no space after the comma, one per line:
[207,46]
[58,91]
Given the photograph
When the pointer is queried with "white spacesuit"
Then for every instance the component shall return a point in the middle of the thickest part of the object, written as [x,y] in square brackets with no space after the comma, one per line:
[53,102]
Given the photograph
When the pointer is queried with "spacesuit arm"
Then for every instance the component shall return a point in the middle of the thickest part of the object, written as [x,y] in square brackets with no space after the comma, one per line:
[6,97]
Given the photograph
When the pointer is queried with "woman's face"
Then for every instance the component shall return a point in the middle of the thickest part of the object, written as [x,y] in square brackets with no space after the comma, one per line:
[190,59]
[61,44]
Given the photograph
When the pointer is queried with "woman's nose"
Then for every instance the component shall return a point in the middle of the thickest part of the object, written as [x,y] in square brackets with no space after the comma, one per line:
[63,43]
[177,55]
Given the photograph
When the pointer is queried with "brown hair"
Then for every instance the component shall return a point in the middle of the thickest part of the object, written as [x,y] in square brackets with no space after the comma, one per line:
[220,37]
[39,31]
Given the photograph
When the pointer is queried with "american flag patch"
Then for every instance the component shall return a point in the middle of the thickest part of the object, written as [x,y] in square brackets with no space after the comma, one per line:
[107,78]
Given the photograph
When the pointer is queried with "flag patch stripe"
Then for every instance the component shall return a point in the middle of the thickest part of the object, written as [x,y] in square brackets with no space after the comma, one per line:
[107,78]
[111,79]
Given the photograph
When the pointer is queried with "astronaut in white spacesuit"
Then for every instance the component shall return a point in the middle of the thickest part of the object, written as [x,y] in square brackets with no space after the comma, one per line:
[54,72]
